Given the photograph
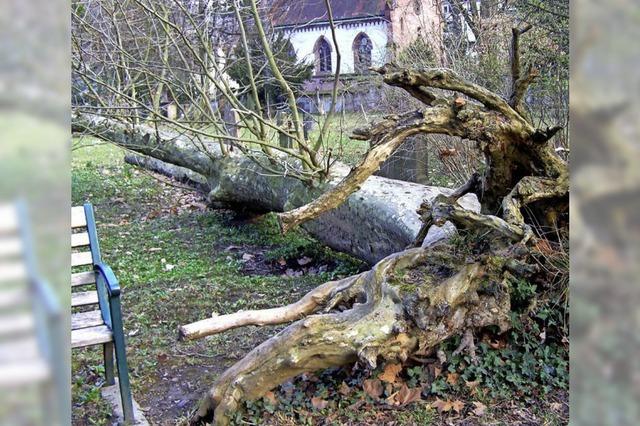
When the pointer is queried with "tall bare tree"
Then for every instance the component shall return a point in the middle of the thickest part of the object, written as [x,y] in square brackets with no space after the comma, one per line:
[131,57]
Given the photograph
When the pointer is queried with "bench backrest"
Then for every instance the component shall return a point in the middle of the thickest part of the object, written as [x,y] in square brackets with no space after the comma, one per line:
[24,326]
[85,253]
[13,268]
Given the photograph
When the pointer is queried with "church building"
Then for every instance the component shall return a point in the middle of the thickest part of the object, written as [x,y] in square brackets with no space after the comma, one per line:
[368,32]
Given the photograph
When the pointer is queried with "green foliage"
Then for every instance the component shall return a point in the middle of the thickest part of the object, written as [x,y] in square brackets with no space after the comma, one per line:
[522,291]
[531,360]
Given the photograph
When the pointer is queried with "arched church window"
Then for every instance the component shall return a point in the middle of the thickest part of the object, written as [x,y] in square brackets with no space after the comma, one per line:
[362,48]
[323,56]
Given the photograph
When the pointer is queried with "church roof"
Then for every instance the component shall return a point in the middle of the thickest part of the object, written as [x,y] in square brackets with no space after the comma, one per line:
[296,12]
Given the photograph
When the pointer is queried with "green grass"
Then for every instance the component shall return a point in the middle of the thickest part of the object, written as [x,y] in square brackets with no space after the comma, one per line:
[178,263]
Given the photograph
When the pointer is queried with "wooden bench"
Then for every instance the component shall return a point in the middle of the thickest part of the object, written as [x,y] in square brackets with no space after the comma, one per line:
[95,302]
[32,335]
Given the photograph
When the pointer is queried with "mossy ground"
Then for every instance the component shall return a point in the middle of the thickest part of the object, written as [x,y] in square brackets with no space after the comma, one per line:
[178,262]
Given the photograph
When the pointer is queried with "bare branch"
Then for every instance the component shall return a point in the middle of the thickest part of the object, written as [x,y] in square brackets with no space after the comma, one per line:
[312,302]
[519,83]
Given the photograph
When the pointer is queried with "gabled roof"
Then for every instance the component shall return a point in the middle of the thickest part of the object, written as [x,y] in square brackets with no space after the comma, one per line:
[297,12]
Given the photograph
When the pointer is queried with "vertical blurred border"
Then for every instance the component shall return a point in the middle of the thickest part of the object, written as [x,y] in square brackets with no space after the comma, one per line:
[34,153]
[605,212]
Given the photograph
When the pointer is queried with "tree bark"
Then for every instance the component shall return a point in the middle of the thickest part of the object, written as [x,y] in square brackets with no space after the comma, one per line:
[402,306]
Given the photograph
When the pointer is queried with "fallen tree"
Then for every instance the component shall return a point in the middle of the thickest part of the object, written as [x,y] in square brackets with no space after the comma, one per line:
[406,306]
[377,220]
[412,300]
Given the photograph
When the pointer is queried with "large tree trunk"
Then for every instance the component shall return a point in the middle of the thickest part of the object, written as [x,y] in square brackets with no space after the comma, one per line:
[377,220]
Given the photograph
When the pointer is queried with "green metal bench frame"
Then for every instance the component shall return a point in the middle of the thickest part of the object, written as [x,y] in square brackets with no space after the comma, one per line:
[108,290]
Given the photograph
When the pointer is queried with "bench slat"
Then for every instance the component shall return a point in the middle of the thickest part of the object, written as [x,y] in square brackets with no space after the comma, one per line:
[8,219]
[84,298]
[78,219]
[19,350]
[79,240]
[22,373]
[86,319]
[16,324]
[13,298]
[90,336]
[12,271]
[10,247]
[80,259]
[82,278]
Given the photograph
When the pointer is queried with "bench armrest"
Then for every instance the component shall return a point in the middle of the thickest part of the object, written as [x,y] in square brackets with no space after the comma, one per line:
[113,287]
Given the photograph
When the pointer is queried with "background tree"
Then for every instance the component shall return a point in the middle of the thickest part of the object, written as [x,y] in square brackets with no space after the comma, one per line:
[270,92]
[131,57]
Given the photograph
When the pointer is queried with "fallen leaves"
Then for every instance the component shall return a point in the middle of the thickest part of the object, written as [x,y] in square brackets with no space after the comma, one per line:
[247,257]
[304,260]
[556,406]
[319,403]
[167,266]
[344,389]
[473,386]
[271,397]
[373,388]
[444,406]
[452,378]
[479,408]
[390,373]
[405,396]
[457,405]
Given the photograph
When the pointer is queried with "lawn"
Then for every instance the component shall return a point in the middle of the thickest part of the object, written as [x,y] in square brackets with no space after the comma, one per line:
[180,262]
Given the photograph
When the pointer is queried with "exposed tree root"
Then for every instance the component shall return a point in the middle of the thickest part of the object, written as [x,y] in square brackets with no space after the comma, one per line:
[404,306]
[313,301]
